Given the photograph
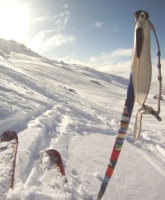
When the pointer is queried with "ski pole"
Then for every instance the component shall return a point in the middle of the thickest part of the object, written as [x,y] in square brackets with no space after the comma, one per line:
[129,104]
[121,135]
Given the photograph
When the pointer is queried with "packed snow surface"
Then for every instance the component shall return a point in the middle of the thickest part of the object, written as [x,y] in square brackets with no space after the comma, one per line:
[75,110]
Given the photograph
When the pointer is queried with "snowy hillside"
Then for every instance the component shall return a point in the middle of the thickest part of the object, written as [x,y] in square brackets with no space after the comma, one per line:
[75,110]
[8,46]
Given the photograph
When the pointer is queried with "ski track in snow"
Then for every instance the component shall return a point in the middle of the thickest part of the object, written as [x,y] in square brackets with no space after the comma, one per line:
[75,110]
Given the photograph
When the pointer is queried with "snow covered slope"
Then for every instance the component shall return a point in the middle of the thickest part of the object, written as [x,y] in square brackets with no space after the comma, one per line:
[8,46]
[75,110]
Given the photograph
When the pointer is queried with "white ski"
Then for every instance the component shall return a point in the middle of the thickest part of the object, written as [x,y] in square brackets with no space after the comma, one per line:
[53,176]
[8,151]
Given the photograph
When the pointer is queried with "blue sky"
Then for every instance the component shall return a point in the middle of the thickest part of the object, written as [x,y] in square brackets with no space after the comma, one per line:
[97,33]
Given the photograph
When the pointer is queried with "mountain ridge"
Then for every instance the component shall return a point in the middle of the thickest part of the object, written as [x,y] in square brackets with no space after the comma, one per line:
[9,46]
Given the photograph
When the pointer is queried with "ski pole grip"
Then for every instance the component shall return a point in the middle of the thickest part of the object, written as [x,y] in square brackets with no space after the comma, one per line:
[137,14]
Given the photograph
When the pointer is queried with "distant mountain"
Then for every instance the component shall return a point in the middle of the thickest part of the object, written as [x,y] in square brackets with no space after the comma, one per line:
[9,46]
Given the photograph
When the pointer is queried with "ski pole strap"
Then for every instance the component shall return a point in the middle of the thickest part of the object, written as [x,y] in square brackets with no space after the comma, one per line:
[150,110]
[159,72]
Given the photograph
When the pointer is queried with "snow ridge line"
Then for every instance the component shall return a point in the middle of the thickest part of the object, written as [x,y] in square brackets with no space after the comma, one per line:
[28,81]
[18,122]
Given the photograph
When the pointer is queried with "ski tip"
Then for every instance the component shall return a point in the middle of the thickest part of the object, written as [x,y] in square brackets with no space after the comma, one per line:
[55,158]
[52,152]
[137,14]
[8,136]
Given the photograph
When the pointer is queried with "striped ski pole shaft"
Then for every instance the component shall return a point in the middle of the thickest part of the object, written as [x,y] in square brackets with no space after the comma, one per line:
[121,135]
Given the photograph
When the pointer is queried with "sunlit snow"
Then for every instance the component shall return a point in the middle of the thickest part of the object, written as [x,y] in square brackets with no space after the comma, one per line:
[75,110]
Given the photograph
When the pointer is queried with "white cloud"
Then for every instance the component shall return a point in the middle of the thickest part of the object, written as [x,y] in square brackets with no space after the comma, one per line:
[114,56]
[118,61]
[58,21]
[121,53]
[47,39]
[65,6]
[41,19]
[58,40]
[98,24]
[62,20]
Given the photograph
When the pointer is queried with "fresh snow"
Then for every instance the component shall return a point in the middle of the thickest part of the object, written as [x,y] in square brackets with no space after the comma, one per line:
[75,110]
